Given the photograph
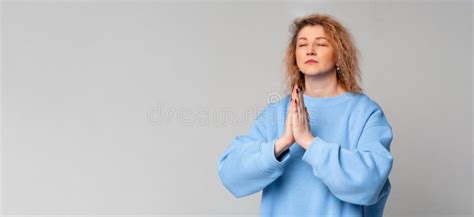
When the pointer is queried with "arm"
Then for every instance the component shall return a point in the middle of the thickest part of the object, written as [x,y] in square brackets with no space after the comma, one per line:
[249,164]
[356,176]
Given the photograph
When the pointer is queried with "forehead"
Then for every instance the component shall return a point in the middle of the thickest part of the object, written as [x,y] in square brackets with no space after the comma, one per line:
[311,32]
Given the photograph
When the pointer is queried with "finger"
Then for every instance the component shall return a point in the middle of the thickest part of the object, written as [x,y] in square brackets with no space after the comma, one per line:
[293,93]
[300,106]
[292,109]
[307,119]
[289,114]
[302,100]
[304,109]
[292,100]
[290,119]
[301,114]
[293,112]
[296,111]
[307,114]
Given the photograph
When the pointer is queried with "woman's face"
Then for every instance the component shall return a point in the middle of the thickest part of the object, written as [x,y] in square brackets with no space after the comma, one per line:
[312,44]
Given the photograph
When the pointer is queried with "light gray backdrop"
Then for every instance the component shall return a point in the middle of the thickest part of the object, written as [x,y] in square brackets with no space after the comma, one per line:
[124,108]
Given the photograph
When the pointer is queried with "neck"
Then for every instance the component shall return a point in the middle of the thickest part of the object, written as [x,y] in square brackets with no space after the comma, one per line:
[322,85]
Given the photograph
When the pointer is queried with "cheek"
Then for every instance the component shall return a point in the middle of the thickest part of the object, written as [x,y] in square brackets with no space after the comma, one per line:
[327,56]
[299,56]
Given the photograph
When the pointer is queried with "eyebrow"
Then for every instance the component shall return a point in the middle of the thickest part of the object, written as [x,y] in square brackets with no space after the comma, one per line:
[321,37]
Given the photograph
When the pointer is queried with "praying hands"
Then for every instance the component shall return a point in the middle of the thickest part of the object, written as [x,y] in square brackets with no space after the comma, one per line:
[297,127]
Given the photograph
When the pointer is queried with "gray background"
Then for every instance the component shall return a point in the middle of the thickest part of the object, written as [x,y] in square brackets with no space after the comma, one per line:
[124,108]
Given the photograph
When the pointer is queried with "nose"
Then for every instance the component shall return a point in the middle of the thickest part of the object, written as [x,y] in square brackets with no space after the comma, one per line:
[311,50]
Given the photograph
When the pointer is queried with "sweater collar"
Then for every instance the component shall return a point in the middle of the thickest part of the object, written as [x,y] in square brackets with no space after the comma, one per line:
[326,101]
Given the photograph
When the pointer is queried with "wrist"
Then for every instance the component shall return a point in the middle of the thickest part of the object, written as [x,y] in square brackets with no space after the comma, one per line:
[306,142]
[283,141]
[281,145]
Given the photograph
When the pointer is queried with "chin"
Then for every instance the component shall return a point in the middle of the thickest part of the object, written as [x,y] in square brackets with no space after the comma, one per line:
[312,72]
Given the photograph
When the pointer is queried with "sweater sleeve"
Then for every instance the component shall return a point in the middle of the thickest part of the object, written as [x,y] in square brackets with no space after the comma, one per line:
[356,176]
[249,164]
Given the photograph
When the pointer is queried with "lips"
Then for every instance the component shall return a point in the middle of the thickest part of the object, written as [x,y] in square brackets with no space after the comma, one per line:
[311,61]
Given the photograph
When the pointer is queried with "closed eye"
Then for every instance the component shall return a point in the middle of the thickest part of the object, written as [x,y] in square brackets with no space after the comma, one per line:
[323,45]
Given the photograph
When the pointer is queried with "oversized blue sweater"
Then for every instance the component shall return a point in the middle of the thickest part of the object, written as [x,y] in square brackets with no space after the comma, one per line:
[344,172]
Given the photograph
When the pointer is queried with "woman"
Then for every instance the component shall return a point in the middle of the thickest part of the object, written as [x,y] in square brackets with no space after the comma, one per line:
[324,149]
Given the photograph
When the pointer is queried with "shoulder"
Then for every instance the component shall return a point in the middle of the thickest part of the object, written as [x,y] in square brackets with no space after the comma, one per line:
[367,107]
[363,100]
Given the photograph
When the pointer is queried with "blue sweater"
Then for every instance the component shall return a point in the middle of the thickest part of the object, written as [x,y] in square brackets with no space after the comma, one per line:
[344,172]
